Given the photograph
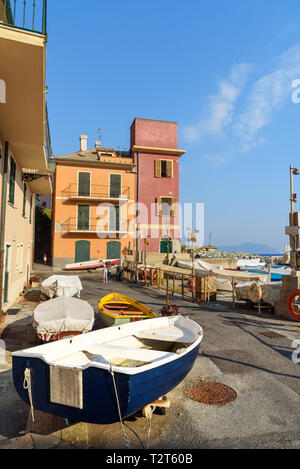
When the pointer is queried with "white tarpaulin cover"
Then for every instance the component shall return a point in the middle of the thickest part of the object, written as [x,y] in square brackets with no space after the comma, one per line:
[61,285]
[270,291]
[64,314]
[204,268]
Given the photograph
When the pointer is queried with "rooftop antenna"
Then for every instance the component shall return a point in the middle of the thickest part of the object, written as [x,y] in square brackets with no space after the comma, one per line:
[100,136]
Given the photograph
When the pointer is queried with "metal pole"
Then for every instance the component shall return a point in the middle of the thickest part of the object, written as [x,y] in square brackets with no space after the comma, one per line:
[292,237]
[167,286]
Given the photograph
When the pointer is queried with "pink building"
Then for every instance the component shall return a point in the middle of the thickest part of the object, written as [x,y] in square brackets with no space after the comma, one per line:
[156,155]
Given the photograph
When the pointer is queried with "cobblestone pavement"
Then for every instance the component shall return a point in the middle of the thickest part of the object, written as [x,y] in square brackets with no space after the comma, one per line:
[249,352]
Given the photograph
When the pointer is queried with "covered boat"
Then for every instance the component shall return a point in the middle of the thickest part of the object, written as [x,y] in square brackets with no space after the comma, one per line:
[61,285]
[92,265]
[61,317]
[89,377]
[270,291]
[119,309]
[224,277]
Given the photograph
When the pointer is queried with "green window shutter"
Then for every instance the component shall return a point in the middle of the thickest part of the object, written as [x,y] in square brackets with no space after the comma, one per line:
[30,212]
[115,185]
[12,180]
[84,184]
[83,220]
[24,198]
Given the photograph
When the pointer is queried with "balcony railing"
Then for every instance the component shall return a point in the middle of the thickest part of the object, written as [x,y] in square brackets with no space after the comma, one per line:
[94,225]
[28,15]
[96,192]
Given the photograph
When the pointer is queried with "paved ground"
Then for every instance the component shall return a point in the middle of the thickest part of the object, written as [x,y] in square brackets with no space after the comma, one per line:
[235,351]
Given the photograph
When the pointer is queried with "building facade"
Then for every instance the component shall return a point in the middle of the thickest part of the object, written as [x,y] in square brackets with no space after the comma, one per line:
[156,155]
[91,206]
[24,143]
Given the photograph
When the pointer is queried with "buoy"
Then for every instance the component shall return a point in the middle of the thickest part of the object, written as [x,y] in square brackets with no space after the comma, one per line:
[191,285]
[255,292]
[290,304]
[155,274]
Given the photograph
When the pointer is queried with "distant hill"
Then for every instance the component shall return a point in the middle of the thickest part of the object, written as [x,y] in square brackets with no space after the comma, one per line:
[251,248]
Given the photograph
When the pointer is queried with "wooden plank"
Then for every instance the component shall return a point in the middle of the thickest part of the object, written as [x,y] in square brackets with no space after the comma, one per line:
[66,386]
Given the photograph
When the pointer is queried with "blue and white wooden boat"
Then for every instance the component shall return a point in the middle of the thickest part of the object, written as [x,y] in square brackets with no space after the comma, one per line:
[275,273]
[82,379]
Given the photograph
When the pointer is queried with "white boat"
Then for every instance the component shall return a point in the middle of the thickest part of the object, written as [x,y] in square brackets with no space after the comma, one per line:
[61,317]
[91,265]
[61,285]
[250,263]
[108,374]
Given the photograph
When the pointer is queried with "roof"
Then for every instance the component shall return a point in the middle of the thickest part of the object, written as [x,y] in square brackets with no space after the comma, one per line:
[101,156]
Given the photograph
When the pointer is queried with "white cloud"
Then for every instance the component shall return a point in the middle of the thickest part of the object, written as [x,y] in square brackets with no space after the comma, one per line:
[265,97]
[219,112]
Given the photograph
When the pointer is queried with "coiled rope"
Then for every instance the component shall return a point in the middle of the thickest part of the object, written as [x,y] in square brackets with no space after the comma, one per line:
[27,386]
[125,437]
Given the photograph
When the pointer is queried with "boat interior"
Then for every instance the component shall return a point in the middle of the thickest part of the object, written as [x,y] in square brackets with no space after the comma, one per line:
[130,351]
[122,308]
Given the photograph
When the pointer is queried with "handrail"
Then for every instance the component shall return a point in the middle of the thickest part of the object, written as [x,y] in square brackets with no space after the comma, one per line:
[27,15]
[92,224]
[95,190]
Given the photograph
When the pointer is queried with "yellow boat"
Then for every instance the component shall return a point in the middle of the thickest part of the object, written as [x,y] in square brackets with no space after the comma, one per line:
[120,309]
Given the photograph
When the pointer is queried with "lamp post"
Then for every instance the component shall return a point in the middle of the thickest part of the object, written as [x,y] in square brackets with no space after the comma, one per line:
[293,199]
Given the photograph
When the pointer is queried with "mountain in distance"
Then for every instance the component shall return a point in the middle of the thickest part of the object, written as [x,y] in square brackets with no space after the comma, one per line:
[251,248]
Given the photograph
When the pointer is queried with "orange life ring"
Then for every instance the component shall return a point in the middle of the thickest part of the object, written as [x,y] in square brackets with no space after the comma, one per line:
[255,297]
[144,274]
[155,274]
[290,303]
[191,285]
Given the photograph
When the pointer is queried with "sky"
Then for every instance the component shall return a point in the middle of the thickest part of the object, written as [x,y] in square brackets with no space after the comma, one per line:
[224,70]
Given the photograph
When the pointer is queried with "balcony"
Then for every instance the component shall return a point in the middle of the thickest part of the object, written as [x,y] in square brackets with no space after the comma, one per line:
[23,112]
[94,226]
[27,15]
[96,193]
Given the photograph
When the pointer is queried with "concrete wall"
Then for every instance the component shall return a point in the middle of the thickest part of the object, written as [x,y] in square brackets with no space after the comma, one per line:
[18,238]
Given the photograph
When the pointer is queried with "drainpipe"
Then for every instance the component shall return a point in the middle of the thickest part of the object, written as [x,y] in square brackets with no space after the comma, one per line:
[138,208]
[2,224]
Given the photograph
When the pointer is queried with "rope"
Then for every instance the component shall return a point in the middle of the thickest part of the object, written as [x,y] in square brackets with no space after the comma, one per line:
[149,430]
[27,386]
[126,440]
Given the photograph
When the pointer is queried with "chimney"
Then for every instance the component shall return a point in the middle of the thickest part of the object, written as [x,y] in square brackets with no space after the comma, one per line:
[83,143]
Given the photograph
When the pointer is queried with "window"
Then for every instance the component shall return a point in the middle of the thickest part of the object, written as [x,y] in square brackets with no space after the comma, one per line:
[84,184]
[114,218]
[163,168]
[115,185]
[83,220]
[12,180]
[166,206]
[24,199]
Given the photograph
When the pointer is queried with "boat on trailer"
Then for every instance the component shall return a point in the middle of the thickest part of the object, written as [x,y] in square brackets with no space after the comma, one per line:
[91,265]
[117,309]
[109,374]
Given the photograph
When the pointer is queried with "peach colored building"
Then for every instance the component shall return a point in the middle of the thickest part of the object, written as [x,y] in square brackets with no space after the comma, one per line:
[92,214]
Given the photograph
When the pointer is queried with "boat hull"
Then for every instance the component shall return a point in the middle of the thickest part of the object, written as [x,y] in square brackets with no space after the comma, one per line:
[99,400]
[113,317]
[90,265]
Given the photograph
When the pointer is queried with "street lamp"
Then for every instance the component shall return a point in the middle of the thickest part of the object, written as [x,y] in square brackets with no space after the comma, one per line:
[293,235]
